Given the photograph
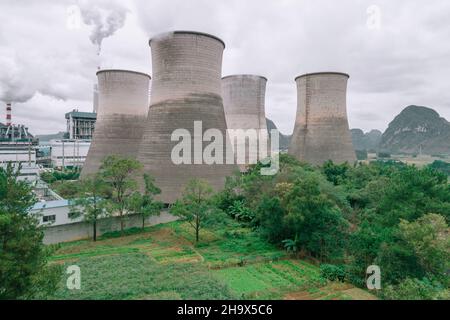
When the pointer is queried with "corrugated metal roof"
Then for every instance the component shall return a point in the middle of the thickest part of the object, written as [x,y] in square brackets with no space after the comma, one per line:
[50,204]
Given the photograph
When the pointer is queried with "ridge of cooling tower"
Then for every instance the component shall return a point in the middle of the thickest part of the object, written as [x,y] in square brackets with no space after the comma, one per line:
[186,87]
[122,70]
[321,130]
[322,73]
[121,116]
[188,32]
[244,104]
[244,75]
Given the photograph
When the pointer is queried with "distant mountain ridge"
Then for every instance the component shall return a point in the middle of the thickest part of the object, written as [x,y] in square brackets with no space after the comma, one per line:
[417,130]
[285,140]
[369,141]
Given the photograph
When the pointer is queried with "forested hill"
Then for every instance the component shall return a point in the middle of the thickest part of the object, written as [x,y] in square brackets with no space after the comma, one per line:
[285,140]
[417,130]
[366,141]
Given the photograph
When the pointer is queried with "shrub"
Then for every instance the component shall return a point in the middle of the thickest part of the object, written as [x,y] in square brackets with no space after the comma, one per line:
[415,289]
[333,272]
[240,212]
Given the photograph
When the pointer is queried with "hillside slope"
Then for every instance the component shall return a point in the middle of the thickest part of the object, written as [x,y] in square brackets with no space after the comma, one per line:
[162,263]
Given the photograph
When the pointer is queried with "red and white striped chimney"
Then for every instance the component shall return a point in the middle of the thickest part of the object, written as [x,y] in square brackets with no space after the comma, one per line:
[8,114]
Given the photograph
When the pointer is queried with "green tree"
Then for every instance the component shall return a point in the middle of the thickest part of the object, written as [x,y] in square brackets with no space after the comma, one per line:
[120,174]
[429,238]
[415,289]
[145,204]
[67,189]
[316,220]
[92,201]
[24,271]
[335,173]
[196,205]
[241,212]
[270,215]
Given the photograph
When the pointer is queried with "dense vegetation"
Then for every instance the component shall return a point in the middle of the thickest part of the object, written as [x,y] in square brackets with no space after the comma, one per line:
[165,262]
[24,272]
[441,166]
[58,175]
[340,218]
[386,214]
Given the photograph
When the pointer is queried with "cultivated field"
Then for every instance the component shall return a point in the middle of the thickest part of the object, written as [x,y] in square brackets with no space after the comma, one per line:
[162,263]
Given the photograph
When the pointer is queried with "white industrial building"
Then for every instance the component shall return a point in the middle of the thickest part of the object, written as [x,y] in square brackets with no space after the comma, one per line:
[54,213]
[81,125]
[61,226]
[69,153]
[23,155]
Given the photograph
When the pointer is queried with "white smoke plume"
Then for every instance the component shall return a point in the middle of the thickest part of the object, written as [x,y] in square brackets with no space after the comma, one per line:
[28,68]
[106,20]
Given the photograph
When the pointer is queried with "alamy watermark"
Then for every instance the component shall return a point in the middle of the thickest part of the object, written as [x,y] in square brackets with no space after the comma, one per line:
[73,17]
[373,281]
[241,147]
[373,17]
[74,279]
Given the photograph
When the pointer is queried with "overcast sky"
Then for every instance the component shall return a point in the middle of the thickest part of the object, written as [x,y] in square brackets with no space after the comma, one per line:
[396,52]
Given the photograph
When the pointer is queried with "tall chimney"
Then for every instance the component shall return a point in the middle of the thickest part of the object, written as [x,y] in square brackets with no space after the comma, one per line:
[8,114]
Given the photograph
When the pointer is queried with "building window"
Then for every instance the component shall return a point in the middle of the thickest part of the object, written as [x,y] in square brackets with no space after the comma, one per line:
[73,215]
[51,218]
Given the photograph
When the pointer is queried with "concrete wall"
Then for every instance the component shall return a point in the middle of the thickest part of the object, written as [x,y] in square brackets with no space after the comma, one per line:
[69,152]
[186,87]
[321,130]
[122,110]
[244,105]
[82,230]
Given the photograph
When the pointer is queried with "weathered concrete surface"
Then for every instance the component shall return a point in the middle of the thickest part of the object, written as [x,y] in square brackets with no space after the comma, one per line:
[122,113]
[244,105]
[186,87]
[321,130]
[82,230]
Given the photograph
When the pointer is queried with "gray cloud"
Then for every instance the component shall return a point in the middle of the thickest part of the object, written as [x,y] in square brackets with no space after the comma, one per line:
[405,61]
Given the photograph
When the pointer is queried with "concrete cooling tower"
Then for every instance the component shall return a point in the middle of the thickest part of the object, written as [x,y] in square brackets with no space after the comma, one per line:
[186,88]
[244,104]
[321,130]
[121,116]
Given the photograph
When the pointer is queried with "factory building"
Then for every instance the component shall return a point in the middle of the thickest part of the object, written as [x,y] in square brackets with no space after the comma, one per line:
[186,88]
[244,105]
[23,156]
[68,152]
[121,116]
[321,130]
[17,147]
[80,125]
[14,133]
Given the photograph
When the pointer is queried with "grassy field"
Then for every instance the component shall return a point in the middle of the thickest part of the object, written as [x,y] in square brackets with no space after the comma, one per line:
[162,263]
[419,160]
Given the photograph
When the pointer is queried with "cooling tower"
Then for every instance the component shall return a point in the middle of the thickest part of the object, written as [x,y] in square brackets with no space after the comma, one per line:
[321,130]
[186,87]
[121,116]
[244,104]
